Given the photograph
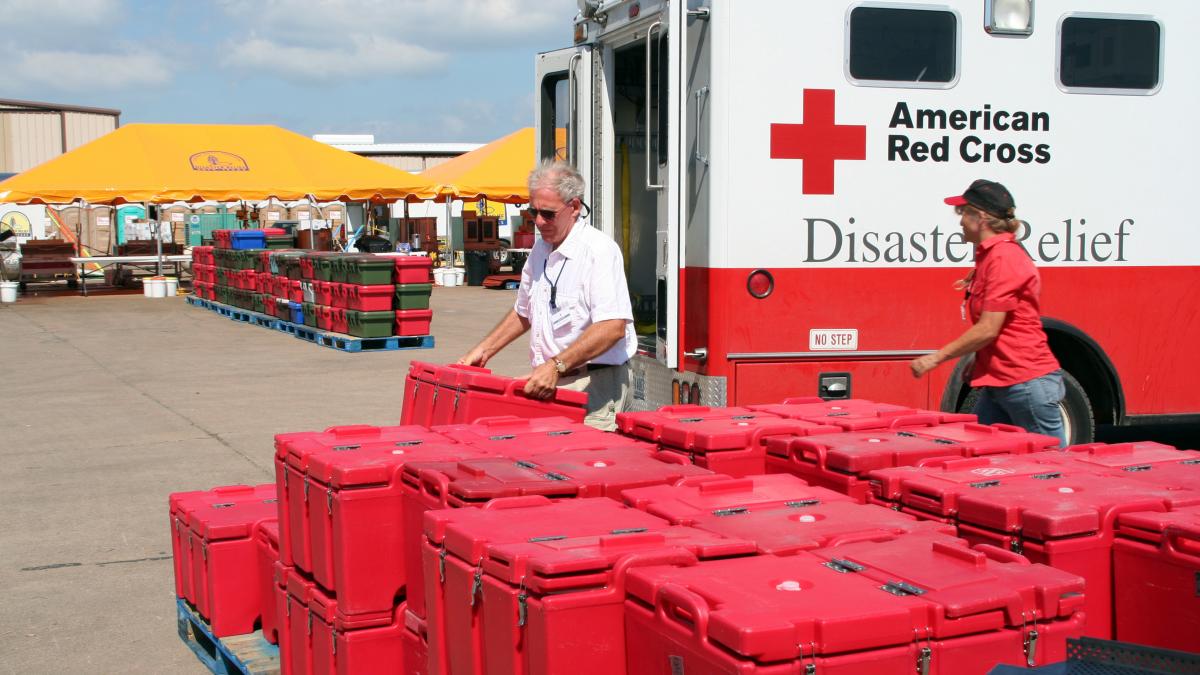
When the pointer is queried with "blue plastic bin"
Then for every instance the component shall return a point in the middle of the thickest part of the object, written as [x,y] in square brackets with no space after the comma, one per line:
[297,312]
[244,239]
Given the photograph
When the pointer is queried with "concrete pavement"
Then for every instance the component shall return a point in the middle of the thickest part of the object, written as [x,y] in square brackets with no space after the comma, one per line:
[110,403]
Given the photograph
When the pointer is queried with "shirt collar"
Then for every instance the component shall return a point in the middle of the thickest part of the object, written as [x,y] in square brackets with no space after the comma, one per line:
[572,246]
[994,241]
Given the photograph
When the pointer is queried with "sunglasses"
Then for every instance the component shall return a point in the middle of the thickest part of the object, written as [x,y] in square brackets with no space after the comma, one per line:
[546,214]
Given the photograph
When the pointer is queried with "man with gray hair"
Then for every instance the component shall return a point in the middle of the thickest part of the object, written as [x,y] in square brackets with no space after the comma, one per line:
[573,300]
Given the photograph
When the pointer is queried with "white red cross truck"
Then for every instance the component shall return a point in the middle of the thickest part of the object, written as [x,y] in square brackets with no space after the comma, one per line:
[774,172]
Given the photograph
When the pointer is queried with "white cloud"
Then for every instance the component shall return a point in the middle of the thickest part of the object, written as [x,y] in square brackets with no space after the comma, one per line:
[73,71]
[326,61]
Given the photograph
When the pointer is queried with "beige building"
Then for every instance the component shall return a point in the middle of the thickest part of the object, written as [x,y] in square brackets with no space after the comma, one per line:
[32,132]
[410,157]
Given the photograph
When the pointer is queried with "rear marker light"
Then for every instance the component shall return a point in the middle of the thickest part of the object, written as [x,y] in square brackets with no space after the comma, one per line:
[760,284]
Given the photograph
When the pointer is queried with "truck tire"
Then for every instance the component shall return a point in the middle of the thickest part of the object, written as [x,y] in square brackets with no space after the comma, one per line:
[1076,409]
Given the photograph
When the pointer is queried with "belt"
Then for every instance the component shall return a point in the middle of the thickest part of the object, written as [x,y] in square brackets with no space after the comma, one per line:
[587,369]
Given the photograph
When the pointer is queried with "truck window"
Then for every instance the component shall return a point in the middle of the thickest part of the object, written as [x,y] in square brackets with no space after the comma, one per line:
[554,113]
[902,46]
[1109,53]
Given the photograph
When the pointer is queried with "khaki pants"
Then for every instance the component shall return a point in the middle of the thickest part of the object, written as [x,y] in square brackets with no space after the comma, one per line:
[608,394]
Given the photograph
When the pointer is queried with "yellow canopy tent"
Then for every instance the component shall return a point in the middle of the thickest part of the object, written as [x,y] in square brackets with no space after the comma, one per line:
[159,163]
[496,172]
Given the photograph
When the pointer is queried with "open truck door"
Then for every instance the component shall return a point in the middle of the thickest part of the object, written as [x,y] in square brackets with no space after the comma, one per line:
[563,120]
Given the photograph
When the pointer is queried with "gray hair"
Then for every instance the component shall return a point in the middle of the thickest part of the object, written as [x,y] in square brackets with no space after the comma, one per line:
[558,176]
[1001,225]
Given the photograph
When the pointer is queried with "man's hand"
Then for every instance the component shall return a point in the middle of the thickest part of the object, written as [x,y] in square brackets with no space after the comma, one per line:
[476,357]
[924,364]
[542,381]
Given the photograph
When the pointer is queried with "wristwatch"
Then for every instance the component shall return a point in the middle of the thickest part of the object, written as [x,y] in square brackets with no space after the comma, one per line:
[559,365]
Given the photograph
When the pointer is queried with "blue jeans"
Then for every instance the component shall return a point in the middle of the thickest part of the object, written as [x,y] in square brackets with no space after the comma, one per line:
[1031,405]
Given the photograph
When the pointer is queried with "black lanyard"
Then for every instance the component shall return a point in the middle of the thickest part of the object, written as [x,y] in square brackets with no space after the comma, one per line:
[553,284]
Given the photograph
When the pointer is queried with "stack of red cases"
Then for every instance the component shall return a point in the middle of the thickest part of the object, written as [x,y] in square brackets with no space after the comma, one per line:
[360,643]
[266,538]
[1156,579]
[807,518]
[528,586]
[843,461]
[283,626]
[523,436]
[852,414]
[733,445]
[931,489]
[1066,518]
[1148,461]
[355,520]
[647,425]
[217,562]
[914,604]
[597,472]
[432,486]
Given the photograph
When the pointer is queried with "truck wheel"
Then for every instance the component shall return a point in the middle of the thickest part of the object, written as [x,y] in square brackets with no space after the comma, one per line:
[1076,410]
[1078,420]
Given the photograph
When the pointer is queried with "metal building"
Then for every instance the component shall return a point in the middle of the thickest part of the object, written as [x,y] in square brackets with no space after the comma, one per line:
[411,157]
[33,132]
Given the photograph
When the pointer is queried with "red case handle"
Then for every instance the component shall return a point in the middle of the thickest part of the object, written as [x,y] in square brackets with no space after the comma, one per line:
[940,460]
[524,501]
[233,489]
[671,458]
[680,557]
[1002,554]
[802,453]
[434,483]
[861,536]
[673,600]
[353,430]
[915,420]
[683,408]
[802,400]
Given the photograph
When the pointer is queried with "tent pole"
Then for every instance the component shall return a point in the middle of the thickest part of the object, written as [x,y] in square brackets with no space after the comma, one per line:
[157,239]
[449,231]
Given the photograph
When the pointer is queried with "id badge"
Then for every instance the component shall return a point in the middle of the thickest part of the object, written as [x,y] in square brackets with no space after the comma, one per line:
[560,318]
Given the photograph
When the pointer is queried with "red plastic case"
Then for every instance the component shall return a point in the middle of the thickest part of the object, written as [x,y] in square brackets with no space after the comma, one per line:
[219,563]
[411,322]
[915,604]
[1066,518]
[456,394]
[647,425]
[345,645]
[415,269]
[369,298]
[526,586]
[854,414]
[735,445]
[843,461]
[355,514]
[1156,579]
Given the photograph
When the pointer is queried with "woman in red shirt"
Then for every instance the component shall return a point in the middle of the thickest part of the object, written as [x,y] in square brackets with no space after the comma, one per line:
[1018,378]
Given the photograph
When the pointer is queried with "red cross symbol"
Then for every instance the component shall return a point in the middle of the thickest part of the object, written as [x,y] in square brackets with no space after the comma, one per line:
[818,141]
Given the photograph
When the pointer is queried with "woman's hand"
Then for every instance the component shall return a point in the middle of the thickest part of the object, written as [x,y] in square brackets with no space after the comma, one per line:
[924,364]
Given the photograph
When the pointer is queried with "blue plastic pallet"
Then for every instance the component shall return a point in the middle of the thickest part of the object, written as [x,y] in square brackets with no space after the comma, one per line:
[236,655]
[349,343]
[339,341]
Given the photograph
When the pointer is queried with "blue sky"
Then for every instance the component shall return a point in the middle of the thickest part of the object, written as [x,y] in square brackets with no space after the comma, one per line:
[404,70]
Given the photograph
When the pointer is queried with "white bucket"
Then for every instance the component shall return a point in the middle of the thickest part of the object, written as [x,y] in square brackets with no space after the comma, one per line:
[8,291]
[459,275]
[154,287]
[448,276]
[170,287]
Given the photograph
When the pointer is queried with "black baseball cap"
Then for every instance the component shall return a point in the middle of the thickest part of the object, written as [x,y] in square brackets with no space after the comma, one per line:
[987,196]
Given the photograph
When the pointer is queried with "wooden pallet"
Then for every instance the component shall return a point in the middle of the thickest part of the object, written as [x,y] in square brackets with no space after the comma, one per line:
[235,655]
